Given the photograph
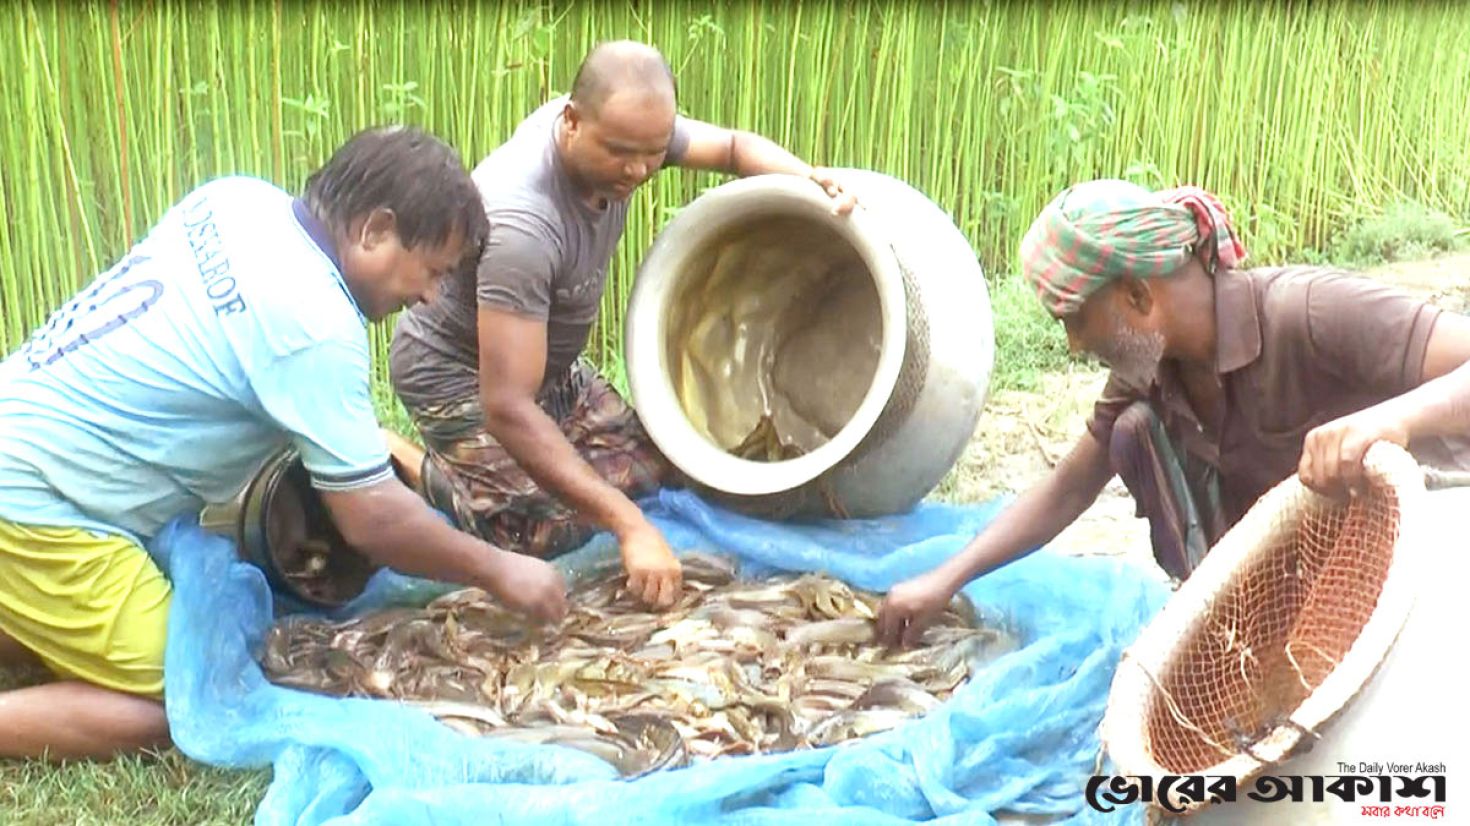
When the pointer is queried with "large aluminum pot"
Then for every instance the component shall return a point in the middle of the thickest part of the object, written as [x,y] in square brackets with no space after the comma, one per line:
[274,517]
[844,359]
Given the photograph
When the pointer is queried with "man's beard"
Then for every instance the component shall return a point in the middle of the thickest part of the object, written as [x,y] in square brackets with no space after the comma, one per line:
[1133,355]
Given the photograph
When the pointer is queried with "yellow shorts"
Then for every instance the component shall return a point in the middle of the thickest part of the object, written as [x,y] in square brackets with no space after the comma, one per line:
[93,608]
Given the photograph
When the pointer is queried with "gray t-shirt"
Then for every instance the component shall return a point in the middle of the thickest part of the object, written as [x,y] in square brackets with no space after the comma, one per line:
[546,257]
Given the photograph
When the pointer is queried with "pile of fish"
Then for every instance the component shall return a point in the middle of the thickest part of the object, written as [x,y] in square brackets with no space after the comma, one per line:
[734,667]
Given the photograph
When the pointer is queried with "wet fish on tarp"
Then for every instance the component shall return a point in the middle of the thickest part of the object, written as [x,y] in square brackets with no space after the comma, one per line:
[735,667]
[898,693]
[849,630]
[853,723]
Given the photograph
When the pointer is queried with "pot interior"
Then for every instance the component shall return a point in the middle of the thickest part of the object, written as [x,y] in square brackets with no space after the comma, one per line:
[775,331]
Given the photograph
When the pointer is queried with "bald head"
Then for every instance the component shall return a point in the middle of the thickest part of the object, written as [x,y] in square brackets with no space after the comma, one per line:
[622,67]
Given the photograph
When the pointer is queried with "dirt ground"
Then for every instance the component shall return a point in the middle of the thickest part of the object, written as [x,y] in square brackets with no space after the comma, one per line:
[1021,435]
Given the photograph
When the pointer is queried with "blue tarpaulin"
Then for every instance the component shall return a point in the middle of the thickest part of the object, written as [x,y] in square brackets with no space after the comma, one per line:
[1019,737]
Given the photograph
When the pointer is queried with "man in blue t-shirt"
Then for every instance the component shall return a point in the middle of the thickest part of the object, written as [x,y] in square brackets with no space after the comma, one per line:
[236,327]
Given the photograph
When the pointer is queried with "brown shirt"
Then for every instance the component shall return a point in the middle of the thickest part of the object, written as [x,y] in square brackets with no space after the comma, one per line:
[1297,347]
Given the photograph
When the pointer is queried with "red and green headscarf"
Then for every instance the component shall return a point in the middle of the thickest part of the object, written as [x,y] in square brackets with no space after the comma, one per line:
[1095,232]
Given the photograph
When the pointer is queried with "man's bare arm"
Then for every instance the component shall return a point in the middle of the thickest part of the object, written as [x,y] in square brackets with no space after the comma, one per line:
[736,152]
[392,526]
[512,364]
[1034,519]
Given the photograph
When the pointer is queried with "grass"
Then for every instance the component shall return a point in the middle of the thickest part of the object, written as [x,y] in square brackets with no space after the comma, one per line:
[393,415]
[156,789]
[116,110]
[1028,341]
[1404,231]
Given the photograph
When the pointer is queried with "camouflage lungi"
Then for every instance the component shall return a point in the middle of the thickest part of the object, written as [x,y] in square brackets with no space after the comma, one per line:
[487,493]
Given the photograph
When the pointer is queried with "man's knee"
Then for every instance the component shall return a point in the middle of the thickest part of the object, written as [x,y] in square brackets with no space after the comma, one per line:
[1130,445]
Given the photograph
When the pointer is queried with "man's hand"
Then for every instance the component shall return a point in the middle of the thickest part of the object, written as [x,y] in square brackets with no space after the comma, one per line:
[529,586]
[843,201]
[911,606]
[654,573]
[1332,455]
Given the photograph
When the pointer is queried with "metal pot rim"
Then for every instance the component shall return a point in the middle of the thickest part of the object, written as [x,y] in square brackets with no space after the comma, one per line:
[653,392]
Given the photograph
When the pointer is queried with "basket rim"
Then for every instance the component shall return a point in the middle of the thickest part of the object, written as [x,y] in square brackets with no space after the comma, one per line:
[1278,512]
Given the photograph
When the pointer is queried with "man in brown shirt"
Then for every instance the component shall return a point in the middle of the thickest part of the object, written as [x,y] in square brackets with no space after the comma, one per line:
[1332,458]
[1218,376]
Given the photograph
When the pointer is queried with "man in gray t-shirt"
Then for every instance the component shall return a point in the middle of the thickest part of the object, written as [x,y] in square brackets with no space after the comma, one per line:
[527,446]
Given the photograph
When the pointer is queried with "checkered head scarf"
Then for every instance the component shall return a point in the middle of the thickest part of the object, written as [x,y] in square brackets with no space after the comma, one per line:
[1101,230]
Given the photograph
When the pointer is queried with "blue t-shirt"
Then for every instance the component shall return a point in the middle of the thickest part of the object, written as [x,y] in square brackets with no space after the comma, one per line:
[165,384]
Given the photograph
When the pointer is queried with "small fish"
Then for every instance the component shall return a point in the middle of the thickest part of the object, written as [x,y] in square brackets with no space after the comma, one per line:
[849,630]
[898,693]
[761,598]
[734,667]
[855,723]
[655,653]
[824,597]
[621,632]
[817,707]
[765,444]
[843,668]
[656,744]
[708,569]
[725,617]
[275,657]
[838,689]
[460,711]
[684,633]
